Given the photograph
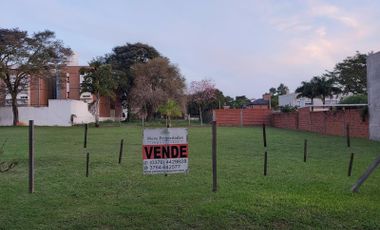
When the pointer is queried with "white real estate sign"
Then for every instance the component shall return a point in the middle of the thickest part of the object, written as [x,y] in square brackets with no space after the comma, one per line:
[165,151]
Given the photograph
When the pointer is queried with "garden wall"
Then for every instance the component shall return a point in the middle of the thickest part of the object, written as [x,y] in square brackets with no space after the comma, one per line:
[242,117]
[58,113]
[324,122]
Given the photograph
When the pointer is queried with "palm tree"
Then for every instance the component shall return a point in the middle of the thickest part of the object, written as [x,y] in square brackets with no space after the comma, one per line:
[98,80]
[324,87]
[307,89]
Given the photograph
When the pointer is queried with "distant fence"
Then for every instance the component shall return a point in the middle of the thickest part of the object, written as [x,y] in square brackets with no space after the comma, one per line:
[324,122]
[243,117]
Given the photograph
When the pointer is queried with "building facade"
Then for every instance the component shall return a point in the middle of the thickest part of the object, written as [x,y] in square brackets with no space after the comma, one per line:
[292,100]
[66,86]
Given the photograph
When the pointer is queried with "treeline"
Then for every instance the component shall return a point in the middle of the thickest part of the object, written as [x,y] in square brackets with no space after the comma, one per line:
[145,81]
[348,78]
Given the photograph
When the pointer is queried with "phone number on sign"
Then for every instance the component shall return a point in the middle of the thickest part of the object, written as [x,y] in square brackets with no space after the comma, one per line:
[164,167]
[166,161]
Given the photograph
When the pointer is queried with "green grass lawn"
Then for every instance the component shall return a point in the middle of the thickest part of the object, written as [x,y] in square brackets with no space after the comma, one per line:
[295,194]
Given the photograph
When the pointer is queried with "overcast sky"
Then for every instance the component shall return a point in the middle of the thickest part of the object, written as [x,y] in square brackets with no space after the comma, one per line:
[246,47]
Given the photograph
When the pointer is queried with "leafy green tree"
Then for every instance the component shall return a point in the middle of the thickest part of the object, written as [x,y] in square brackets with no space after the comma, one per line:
[122,59]
[99,79]
[318,87]
[282,89]
[273,90]
[241,101]
[24,58]
[217,102]
[155,82]
[228,101]
[202,93]
[274,101]
[351,74]
[355,99]
[170,109]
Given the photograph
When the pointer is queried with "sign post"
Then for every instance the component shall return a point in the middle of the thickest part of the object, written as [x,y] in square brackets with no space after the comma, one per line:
[165,151]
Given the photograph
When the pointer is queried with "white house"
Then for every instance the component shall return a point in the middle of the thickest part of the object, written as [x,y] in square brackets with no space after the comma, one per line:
[292,100]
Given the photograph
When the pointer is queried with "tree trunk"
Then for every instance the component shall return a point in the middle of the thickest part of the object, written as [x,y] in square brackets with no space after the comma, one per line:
[97,110]
[312,104]
[170,122]
[128,113]
[149,112]
[324,100]
[200,115]
[14,109]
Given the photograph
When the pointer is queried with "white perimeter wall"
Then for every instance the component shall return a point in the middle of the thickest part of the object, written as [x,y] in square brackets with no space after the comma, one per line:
[58,113]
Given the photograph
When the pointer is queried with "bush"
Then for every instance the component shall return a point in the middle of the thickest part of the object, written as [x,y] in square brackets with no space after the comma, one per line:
[355,99]
[288,108]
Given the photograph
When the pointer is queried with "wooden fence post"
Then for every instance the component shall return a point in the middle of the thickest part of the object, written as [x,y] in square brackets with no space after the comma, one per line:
[121,150]
[305,150]
[214,172]
[241,118]
[266,151]
[350,164]
[85,135]
[87,163]
[31,156]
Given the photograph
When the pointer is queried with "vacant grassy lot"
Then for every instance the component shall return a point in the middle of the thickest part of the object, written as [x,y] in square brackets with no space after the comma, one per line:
[295,194]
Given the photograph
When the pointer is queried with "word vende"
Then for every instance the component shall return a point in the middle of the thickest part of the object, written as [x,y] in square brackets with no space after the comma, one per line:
[165,151]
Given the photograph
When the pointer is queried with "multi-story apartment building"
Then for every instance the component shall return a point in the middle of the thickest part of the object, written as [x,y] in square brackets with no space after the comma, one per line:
[40,90]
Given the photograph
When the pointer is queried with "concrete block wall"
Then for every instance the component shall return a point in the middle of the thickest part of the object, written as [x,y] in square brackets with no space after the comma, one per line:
[373,85]
[58,113]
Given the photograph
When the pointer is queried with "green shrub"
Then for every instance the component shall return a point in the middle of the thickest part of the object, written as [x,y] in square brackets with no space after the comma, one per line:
[288,108]
[355,99]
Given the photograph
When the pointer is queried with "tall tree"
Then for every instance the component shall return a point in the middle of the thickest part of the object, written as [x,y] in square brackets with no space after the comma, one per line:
[228,101]
[202,92]
[273,90]
[241,101]
[99,79]
[24,57]
[155,82]
[122,59]
[351,74]
[324,87]
[306,90]
[282,89]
